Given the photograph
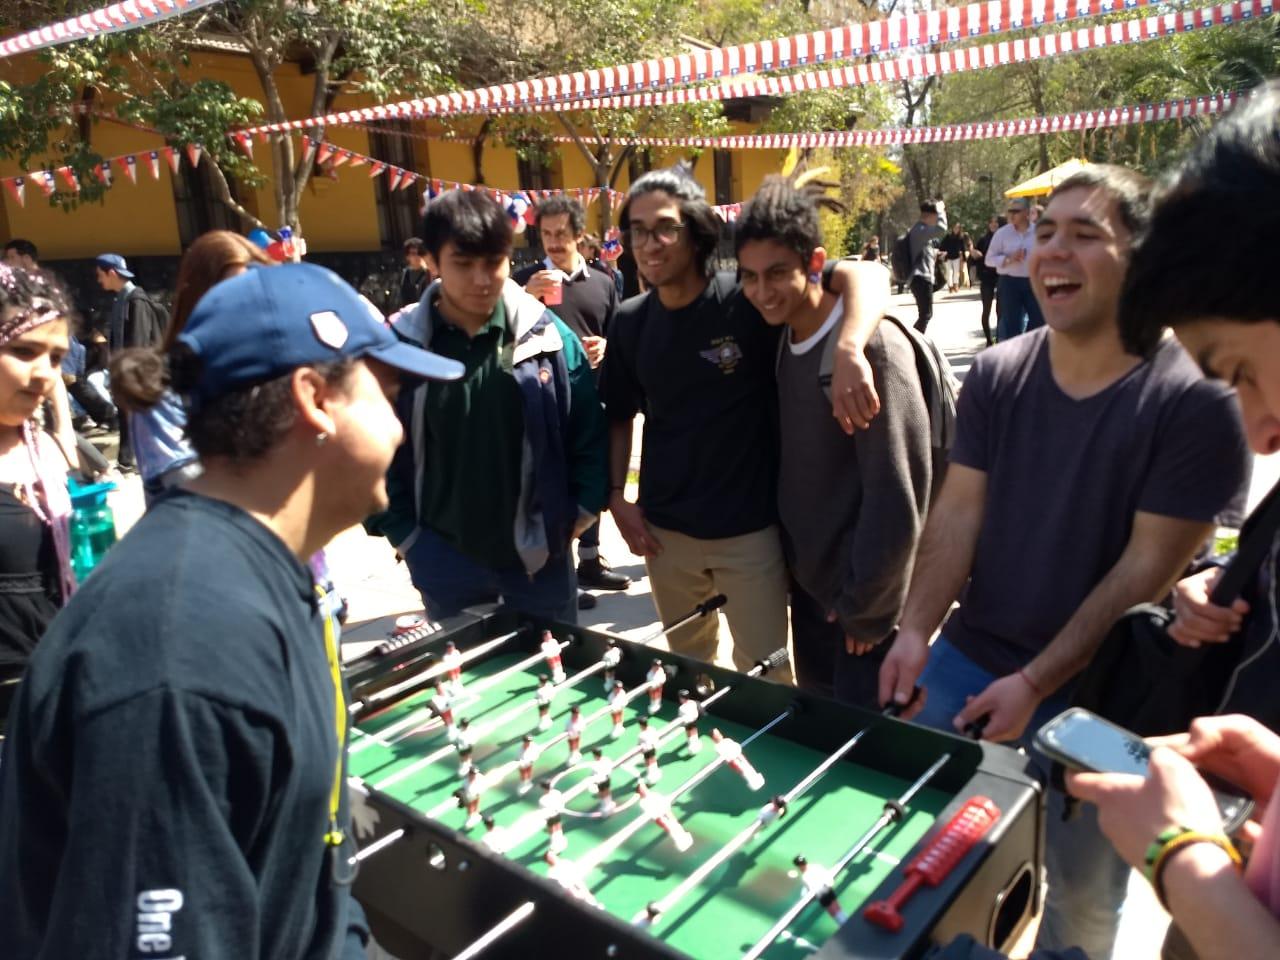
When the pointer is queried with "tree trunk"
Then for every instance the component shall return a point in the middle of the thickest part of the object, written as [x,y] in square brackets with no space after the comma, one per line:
[477,150]
[223,190]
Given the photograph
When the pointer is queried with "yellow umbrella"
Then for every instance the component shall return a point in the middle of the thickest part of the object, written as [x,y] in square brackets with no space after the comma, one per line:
[1045,182]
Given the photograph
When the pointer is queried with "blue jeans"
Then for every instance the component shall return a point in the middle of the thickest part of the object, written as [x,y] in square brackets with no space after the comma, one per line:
[1017,308]
[449,580]
[1087,879]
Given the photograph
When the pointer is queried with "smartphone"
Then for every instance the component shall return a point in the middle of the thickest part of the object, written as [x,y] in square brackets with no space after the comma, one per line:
[1080,740]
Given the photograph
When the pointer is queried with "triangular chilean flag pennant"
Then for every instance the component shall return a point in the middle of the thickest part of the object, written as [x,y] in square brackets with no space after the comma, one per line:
[171,155]
[153,159]
[17,187]
[325,152]
[131,168]
[103,172]
[193,153]
[69,178]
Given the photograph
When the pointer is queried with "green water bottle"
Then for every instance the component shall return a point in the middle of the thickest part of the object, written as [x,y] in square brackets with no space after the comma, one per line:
[93,527]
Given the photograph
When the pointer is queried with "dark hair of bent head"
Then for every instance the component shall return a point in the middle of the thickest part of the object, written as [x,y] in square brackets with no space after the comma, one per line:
[784,213]
[700,220]
[247,424]
[1214,223]
[471,220]
[38,289]
[25,248]
[557,204]
[928,207]
[139,376]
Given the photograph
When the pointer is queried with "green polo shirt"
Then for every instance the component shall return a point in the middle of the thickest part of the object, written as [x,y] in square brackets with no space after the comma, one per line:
[475,435]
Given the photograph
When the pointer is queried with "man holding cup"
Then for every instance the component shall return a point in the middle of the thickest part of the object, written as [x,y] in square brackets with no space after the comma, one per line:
[586,301]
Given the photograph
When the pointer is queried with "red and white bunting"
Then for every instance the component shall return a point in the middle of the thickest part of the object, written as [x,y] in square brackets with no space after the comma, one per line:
[244,142]
[17,189]
[938,64]
[44,179]
[340,157]
[393,178]
[647,79]
[193,154]
[323,152]
[376,167]
[69,178]
[153,161]
[130,167]
[103,172]
[171,155]
[111,19]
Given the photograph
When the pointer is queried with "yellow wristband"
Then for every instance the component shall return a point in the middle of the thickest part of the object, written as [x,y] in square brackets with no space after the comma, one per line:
[1170,842]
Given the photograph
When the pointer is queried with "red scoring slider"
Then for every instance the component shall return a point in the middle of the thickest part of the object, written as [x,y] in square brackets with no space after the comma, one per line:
[937,860]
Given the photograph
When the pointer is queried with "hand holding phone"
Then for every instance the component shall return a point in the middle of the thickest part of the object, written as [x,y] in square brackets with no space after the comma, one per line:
[1083,741]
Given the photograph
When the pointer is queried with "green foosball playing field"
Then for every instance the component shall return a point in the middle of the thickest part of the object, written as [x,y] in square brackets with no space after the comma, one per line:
[706,900]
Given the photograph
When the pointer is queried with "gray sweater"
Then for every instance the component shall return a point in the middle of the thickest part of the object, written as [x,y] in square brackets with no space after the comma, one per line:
[852,508]
[924,248]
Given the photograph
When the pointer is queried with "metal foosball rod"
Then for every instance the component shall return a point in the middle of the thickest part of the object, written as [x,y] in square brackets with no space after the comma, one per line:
[512,920]
[414,721]
[770,812]
[613,842]
[366,705]
[894,810]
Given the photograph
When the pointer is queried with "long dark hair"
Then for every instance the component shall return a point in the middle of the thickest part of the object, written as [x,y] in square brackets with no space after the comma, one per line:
[140,375]
[699,219]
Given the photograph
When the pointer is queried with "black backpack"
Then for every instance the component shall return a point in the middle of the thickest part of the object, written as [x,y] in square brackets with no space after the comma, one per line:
[156,317]
[900,259]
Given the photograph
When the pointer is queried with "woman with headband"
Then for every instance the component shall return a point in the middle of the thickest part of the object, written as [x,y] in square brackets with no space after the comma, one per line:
[35,570]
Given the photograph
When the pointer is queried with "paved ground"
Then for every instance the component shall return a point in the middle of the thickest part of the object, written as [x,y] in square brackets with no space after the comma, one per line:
[378,588]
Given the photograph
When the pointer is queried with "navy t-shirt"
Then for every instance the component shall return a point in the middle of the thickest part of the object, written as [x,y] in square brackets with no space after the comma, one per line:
[703,376]
[165,788]
[1065,478]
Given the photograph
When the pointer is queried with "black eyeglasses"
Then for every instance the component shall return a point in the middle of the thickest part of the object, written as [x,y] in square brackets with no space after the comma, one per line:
[665,233]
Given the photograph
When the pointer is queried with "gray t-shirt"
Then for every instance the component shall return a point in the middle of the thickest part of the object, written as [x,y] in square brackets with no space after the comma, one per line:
[852,508]
[1065,478]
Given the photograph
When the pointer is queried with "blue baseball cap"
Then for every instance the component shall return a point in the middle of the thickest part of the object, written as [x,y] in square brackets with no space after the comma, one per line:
[113,261]
[271,320]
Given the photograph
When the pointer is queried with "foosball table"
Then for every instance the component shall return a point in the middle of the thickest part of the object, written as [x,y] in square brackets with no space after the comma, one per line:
[528,788]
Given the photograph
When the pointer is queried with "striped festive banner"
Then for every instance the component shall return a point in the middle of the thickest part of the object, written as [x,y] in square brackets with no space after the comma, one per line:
[649,77]
[128,15]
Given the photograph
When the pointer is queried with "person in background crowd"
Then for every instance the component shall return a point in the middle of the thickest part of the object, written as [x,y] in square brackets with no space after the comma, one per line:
[955,247]
[414,278]
[225,692]
[872,250]
[1009,254]
[35,560]
[987,276]
[583,296]
[1031,616]
[695,357]
[129,325]
[139,376]
[922,239]
[21,253]
[851,508]
[500,471]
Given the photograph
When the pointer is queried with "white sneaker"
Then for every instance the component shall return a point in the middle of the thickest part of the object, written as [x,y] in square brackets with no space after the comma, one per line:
[575,758]
[616,733]
[695,744]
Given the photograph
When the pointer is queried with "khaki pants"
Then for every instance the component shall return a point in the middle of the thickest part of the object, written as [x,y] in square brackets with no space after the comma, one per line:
[749,570]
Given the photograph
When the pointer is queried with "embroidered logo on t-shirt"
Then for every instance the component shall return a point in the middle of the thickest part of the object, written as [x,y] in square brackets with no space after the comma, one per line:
[724,353]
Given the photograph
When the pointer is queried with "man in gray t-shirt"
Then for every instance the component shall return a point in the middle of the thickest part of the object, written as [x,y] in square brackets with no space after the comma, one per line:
[1082,481]
[922,239]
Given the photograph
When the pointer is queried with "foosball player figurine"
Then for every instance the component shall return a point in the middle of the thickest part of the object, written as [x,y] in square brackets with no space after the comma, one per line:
[656,677]
[552,805]
[524,764]
[658,809]
[494,837]
[573,729]
[544,695]
[820,883]
[731,752]
[551,653]
[648,917]
[452,663]
[471,790]
[771,811]
[612,657]
[465,742]
[649,750]
[687,713]
[617,701]
[601,774]
[442,706]
[567,875]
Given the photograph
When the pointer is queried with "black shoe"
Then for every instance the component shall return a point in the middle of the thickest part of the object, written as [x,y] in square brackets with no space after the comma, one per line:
[595,573]
[586,601]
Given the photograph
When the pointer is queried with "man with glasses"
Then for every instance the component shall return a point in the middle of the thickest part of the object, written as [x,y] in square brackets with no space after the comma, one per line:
[586,301]
[697,360]
[1009,253]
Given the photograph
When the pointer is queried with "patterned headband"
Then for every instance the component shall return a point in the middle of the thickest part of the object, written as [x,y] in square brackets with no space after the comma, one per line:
[26,317]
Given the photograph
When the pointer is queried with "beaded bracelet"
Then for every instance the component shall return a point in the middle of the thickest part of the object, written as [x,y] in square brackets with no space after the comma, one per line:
[1172,839]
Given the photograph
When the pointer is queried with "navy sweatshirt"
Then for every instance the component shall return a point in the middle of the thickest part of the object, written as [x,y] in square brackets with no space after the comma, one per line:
[165,789]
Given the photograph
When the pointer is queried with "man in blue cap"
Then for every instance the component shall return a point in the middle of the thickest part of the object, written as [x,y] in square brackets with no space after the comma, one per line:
[135,321]
[174,782]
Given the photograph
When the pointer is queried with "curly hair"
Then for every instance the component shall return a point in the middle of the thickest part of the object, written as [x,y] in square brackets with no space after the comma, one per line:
[786,212]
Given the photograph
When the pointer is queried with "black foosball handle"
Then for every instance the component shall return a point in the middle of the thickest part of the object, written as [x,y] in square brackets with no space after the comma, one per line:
[973,730]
